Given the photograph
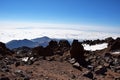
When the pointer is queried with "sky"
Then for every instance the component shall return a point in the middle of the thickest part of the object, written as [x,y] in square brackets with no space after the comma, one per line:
[72,14]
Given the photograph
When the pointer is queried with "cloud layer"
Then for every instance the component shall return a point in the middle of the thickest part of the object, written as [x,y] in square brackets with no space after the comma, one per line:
[32,25]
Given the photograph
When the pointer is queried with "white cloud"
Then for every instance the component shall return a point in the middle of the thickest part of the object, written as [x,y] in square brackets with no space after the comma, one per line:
[16,34]
[33,25]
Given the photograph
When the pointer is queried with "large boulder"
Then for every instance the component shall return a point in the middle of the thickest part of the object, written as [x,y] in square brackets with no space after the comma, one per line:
[101,70]
[53,44]
[64,45]
[2,45]
[109,40]
[77,52]
[4,50]
[115,45]
[38,51]
[48,51]
[41,51]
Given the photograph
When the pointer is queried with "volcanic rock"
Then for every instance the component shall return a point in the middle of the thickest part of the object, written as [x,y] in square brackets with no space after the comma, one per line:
[38,51]
[77,52]
[77,66]
[5,68]
[89,75]
[101,70]
[115,45]
[17,64]
[109,40]
[90,42]
[4,50]
[4,78]
[48,51]
[41,51]
[2,45]
[22,50]
[64,45]
[31,65]
[53,44]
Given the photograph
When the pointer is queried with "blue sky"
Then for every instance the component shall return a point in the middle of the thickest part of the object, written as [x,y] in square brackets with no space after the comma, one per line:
[104,13]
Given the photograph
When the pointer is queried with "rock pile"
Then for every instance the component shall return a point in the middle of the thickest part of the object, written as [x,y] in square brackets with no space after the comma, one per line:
[93,42]
[57,57]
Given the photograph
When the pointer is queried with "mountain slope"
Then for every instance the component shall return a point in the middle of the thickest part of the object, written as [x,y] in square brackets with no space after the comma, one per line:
[43,41]
[19,43]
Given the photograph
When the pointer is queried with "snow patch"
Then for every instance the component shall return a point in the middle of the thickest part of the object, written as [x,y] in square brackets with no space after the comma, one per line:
[25,59]
[115,53]
[95,47]
[31,58]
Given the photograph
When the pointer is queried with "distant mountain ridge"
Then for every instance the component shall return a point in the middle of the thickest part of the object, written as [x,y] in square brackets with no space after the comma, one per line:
[42,41]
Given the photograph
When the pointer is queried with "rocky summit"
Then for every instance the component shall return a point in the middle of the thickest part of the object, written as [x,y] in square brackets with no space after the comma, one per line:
[61,61]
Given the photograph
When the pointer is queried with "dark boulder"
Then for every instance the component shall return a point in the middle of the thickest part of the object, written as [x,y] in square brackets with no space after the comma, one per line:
[77,52]
[38,51]
[22,50]
[64,45]
[48,51]
[107,55]
[2,45]
[101,70]
[17,64]
[109,40]
[4,50]
[4,78]
[89,75]
[115,45]
[41,51]
[53,44]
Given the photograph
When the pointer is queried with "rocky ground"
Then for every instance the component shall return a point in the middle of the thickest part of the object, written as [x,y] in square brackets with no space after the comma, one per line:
[61,61]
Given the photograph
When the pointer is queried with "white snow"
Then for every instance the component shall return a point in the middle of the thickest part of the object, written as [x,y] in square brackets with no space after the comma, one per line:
[17,34]
[95,47]
[31,58]
[25,59]
[116,52]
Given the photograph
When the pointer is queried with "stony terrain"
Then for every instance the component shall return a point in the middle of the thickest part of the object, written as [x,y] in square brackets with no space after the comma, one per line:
[61,61]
